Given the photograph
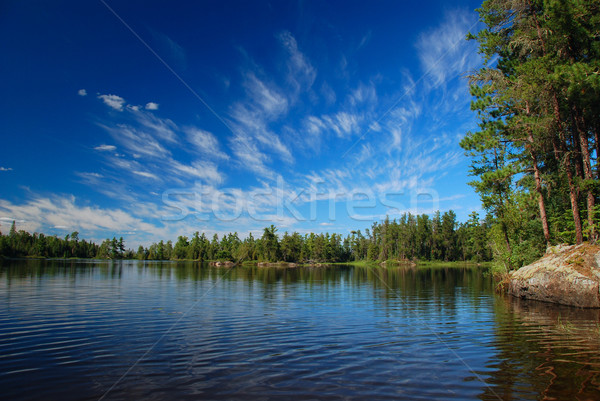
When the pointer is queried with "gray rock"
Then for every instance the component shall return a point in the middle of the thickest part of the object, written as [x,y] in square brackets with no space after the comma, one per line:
[567,275]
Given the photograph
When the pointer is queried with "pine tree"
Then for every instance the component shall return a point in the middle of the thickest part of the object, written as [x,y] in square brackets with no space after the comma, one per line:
[537,100]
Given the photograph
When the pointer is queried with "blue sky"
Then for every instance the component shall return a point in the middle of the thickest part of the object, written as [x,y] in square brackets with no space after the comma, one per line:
[150,120]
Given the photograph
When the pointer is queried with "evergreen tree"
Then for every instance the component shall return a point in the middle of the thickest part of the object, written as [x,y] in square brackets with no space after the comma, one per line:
[537,100]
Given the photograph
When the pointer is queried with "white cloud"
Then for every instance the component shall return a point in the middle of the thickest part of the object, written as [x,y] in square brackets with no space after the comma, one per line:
[106,148]
[444,52]
[328,93]
[396,137]
[314,125]
[301,74]
[200,169]
[82,92]
[10,220]
[114,101]
[6,169]
[374,126]
[205,142]
[343,123]
[312,131]
[250,157]
[364,94]
[266,97]
[137,141]
[43,212]
[251,122]
[151,106]
[90,175]
[145,174]
[364,154]
[162,128]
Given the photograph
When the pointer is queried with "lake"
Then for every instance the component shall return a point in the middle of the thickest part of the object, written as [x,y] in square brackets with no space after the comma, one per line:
[91,330]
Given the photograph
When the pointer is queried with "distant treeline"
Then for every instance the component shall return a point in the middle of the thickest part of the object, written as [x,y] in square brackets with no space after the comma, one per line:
[22,244]
[411,237]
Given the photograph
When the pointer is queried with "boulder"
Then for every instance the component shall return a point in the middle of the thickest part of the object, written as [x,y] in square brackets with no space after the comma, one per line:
[218,263]
[566,275]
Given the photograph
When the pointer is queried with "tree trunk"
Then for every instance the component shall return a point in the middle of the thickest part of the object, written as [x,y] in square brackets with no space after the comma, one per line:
[566,162]
[587,170]
[597,138]
[541,203]
[573,193]
[574,196]
[576,152]
[538,184]
[505,231]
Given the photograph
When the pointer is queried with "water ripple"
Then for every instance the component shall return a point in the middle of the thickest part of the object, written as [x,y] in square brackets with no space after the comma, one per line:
[73,332]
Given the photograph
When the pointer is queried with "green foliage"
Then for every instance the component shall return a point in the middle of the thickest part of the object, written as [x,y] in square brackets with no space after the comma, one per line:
[23,244]
[408,238]
[537,101]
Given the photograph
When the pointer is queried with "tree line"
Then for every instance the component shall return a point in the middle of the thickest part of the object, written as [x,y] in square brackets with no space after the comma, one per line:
[437,238]
[440,238]
[537,98]
[22,244]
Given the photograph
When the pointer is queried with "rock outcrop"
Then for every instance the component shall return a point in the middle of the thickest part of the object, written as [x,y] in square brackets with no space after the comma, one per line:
[226,263]
[567,275]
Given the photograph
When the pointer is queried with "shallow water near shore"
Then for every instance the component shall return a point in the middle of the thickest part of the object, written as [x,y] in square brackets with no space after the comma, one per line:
[89,330]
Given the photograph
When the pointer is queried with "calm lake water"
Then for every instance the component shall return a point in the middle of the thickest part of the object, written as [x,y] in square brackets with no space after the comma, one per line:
[90,330]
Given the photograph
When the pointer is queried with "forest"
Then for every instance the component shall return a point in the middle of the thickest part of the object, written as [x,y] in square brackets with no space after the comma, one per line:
[437,238]
[537,99]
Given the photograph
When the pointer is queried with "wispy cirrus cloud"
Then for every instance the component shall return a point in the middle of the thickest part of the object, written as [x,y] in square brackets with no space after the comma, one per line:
[263,97]
[343,123]
[443,51]
[328,93]
[159,128]
[251,117]
[270,119]
[363,94]
[266,104]
[151,154]
[301,74]
[207,171]
[145,174]
[249,156]
[136,141]
[205,142]
[251,122]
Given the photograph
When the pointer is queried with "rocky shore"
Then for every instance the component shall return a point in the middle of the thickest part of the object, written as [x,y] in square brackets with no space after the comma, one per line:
[566,275]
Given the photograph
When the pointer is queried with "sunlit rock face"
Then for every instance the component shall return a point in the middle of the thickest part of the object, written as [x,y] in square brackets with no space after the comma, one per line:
[567,275]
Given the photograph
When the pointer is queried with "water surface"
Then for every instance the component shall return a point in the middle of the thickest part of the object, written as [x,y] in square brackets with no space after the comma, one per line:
[90,330]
